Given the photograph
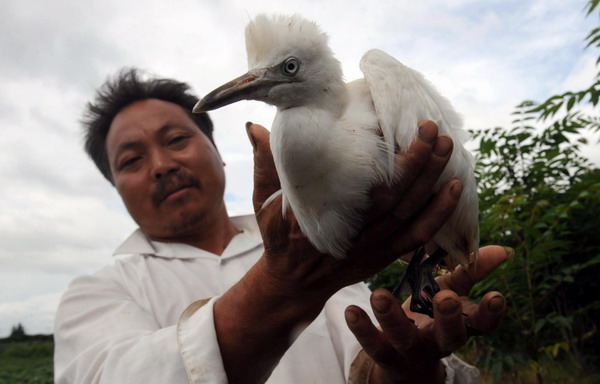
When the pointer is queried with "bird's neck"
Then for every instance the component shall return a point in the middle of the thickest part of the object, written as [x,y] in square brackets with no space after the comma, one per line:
[333,97]
[299,141]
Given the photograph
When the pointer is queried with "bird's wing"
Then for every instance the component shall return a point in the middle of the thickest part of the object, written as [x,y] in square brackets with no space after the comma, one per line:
[402,97]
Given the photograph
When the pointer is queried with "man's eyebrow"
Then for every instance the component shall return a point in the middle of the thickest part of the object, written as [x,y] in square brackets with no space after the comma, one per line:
[162,131]
[129,145]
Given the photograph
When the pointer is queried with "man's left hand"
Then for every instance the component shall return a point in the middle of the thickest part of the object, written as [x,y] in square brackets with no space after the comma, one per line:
[408,346]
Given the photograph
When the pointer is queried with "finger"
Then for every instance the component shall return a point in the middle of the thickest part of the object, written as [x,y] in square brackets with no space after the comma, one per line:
[461,280]
[266,181]
[408,236]
[420,191]
[369,337]
[449,327]
[487,317]
[397,328]
[410,164]
[429,220]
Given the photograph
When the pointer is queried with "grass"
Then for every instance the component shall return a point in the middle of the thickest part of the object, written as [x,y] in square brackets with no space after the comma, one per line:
[30,362]
[546,370]
[549,373]
[27,362]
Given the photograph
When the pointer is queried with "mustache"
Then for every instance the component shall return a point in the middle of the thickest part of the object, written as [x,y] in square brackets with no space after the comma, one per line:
[172,182]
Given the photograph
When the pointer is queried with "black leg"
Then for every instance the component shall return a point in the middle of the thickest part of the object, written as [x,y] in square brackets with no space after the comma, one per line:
[411,274]
[419,276]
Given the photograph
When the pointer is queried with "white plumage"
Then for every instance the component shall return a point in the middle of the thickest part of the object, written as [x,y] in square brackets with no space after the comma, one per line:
[332,141]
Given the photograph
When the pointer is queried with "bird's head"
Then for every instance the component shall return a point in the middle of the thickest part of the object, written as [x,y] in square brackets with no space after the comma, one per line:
[289,65]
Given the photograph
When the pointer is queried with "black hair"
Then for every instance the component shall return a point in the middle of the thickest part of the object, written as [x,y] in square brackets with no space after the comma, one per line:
[125,88]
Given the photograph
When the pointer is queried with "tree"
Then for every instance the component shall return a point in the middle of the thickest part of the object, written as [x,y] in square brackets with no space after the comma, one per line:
[539,195]
[17,333]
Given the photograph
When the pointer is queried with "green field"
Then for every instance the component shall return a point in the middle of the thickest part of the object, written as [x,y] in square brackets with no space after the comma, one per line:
[27,362]
[30,362]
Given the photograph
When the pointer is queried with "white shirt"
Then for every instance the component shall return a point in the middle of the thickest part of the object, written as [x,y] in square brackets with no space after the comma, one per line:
[142,320]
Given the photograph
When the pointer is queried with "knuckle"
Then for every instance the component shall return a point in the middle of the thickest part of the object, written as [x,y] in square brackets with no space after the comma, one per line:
[383,356]
[385,198]
[401,214]
[447,347]
[423,234]
[413,162]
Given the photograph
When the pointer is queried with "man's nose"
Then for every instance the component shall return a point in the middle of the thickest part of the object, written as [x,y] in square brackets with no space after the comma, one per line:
[163,164]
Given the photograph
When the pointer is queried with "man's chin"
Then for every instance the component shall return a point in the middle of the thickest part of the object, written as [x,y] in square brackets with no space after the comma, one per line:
[186,223]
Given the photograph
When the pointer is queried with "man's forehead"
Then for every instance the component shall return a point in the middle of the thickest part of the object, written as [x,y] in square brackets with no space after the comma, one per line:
[144,118]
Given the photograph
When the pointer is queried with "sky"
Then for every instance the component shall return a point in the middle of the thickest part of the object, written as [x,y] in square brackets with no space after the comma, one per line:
[59,218]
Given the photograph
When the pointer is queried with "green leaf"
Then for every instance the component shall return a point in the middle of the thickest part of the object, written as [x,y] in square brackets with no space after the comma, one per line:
[593,38]
[539,325]
[568,279]
[571,103]
[590,6]
[486,146]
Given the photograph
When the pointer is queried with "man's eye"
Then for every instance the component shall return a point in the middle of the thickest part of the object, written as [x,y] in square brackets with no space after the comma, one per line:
[129,162]
[177,140]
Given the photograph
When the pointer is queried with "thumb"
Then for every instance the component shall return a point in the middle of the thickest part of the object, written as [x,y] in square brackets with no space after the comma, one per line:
[266,181]
[461,280]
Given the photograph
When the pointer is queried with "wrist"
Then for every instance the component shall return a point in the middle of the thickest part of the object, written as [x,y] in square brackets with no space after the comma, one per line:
[290,294]
[303,278]
[256,315]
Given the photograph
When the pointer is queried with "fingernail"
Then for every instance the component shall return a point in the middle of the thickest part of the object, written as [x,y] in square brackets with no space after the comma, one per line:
[510,253]
[448,306]
[456,190]
[442,146]
[252,142]
[351,316]
[382,304]
[496,304]
[427,133]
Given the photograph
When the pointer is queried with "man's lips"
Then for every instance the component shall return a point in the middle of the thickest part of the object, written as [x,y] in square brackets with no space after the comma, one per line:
[172,184]
[172,191]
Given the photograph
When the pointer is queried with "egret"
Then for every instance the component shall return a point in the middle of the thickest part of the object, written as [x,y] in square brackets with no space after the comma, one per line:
[333,141]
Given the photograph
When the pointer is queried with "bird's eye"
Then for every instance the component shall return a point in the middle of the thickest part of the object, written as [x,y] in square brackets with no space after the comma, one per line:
[291,66]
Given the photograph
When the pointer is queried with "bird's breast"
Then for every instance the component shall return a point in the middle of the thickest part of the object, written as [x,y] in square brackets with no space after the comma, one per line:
[317,154]
[301,144]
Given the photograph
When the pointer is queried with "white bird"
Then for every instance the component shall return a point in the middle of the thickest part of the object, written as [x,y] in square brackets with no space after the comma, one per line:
[332,141]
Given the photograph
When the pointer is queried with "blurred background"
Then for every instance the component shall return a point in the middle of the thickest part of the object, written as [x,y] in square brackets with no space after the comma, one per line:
[522,73]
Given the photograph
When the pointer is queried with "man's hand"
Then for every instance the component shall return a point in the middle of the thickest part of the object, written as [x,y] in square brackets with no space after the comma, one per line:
[404,216]
[288,287]
[408,346]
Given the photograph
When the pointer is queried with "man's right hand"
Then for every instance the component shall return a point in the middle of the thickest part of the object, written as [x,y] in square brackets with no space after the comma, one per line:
[257,319]
[404,216]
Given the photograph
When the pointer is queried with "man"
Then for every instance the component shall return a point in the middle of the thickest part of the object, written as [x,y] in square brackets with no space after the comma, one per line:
[205,298]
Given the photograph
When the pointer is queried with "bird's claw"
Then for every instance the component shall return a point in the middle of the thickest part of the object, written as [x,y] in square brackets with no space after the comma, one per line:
[423,292]
[419,277]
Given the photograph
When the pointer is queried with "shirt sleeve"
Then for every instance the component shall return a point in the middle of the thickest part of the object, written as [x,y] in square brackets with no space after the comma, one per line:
[202,359]
[103,336]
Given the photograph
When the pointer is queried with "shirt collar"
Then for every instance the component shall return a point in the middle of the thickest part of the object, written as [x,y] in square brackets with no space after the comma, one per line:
[249,238]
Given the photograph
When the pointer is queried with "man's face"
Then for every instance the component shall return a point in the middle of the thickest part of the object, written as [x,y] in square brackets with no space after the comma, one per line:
[167,172]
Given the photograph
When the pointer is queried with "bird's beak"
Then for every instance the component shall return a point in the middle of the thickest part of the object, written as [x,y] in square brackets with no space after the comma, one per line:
[250,86]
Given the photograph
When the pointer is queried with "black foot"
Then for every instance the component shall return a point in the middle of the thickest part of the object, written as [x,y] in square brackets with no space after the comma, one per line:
[419,282]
